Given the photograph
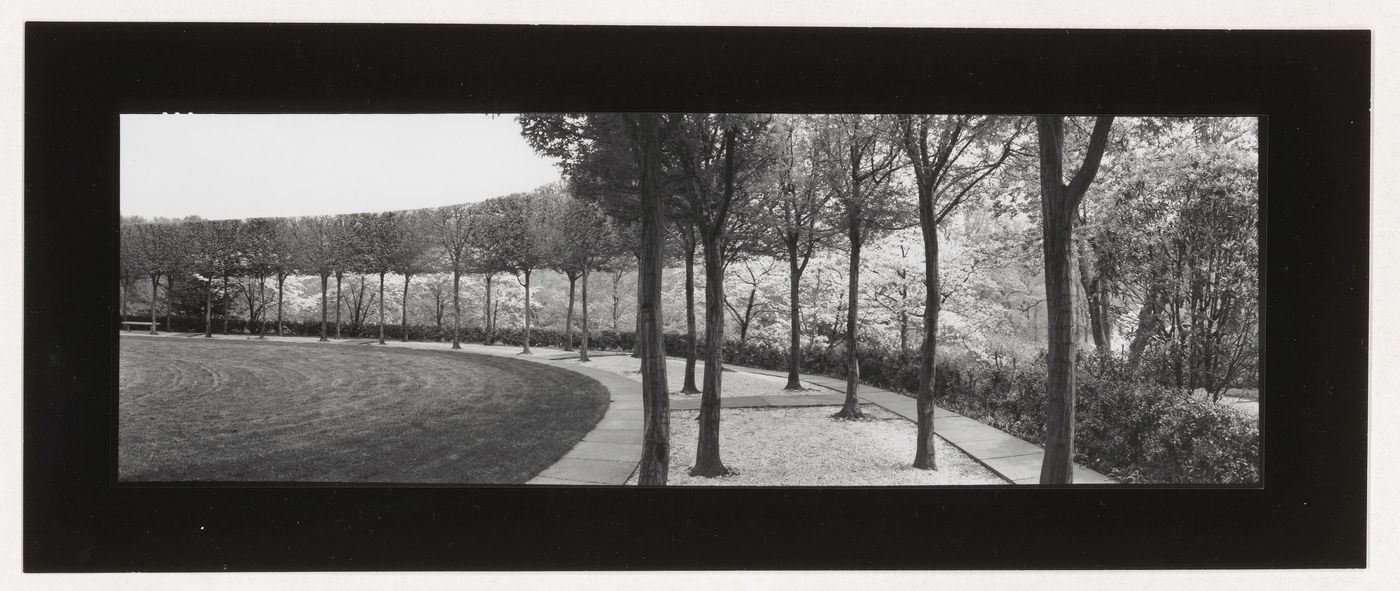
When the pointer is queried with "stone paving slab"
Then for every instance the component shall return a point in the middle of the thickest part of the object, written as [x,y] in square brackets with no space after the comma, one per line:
[1015,468]
[805,400]
[615,436]
[1000,447]
[616,452]
[591,471]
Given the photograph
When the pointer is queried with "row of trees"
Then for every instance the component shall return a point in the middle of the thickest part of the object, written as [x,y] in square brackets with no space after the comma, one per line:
[515,235]
[738,186]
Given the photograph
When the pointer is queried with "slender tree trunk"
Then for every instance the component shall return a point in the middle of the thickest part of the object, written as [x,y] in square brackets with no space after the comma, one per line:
[325,279]
[583,348]
[404,322]
[850,409]
[526,349]
[456,309]
[381,309]
[338,276]
[155,286]
[656,450]
[569,318]
[281,280]
[637,326]
[795,320]
[1148,324]
[209,306]
[707,457]
[1095,301]
[225,308]
[488,319]
[691,342]
[262,307]
[169,302]
[924,456]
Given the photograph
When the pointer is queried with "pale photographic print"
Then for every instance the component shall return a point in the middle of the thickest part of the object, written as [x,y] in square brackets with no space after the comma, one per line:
[690,299]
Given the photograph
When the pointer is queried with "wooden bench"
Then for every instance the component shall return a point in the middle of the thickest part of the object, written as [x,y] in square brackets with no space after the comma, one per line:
[128,324]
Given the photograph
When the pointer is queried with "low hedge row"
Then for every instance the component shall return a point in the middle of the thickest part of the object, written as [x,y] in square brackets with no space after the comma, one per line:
[1132,430]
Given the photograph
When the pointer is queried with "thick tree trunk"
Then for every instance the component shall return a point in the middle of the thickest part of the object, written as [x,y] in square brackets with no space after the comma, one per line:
[795,319]
[325,280]
[656,451]
[1059,447]
[456,309]
[155,290]
[404,322]
[583,348]
[526,349]
[850,409]
[381,309]
[1058,204]
[281,281]
[707,458]
[691,345]
[569,318]
[924,456]
[209,307]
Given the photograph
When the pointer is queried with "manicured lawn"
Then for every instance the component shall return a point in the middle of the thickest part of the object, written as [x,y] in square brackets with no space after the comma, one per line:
[219,410]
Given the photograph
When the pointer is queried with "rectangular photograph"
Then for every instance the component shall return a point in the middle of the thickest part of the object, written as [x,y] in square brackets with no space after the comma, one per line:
[690,299]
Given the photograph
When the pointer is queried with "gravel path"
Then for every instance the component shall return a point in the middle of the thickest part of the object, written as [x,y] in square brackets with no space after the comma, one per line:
[805,447]
[732,384]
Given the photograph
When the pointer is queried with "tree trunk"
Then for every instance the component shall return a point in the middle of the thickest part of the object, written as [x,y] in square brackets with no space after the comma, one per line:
[656,452]
[795,327]
[487,319]
[526,349]
[281,281]
[381,309]
[707,459]
[637,326]
[155,287]
[325,279]
[456,309]
[691,343]
[169,301]
[1058,204]
[225,309]
[1096,301]
[924,456]
[1149,323]
[404,337]
[262,307]
[583,347]
[208,307]
[851,408]
[569,318]
[338,276]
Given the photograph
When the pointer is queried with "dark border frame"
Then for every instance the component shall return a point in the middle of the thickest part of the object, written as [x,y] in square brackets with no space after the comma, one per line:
[1314,87]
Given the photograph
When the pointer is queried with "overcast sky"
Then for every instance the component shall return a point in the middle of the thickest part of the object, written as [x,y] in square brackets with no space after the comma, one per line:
[238,166]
